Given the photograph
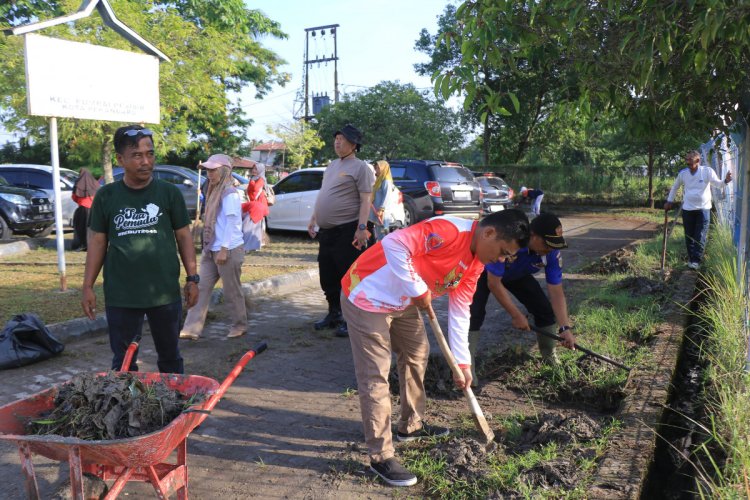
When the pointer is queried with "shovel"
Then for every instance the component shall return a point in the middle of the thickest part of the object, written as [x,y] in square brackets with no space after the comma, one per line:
[476,411]
[582,349]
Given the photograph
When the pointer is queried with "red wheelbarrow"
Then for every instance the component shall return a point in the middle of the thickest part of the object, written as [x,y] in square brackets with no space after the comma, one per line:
[141,458]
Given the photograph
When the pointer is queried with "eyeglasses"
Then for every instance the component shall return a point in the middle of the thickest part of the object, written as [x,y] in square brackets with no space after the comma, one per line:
[136,132]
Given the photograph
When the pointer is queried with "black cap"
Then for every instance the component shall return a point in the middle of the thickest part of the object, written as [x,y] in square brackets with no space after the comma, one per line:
[549,227]
[351,133]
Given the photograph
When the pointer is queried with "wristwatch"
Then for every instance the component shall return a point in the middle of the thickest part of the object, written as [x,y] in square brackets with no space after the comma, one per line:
[362,227]
[564,328]
[195,278]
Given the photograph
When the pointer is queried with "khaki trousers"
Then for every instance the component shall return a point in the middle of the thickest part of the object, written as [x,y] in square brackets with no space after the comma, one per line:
[210,273]
[374,336]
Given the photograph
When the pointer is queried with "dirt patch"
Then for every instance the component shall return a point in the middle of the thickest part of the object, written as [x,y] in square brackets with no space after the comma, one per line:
[639,286]
[555,428]
[112,406]
[465,458]
[558,473]
[616,262]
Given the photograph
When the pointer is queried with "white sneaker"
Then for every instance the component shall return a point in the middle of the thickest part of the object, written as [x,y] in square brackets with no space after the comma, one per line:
[694,265]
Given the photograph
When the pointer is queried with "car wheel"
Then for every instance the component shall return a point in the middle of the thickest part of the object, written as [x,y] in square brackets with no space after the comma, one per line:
[410,212]
[5,232]
[39,233]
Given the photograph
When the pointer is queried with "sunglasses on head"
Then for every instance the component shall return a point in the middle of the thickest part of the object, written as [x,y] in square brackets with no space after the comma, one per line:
[136,132]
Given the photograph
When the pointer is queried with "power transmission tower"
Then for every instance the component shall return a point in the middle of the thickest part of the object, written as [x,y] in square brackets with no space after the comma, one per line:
[318,58]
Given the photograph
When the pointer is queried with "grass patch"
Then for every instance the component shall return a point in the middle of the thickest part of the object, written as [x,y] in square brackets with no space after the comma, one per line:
[31,282]
[723,461]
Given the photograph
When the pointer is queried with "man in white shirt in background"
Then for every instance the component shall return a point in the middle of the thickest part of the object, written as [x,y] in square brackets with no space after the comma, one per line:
[697,180]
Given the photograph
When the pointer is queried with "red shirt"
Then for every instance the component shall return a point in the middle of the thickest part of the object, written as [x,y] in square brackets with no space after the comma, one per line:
[257,204]
[86,201]
[434,254]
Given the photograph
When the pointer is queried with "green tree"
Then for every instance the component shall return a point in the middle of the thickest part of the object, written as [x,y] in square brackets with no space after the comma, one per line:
[518,97]
[215,51]
[677,67]
[301,142]
[397,120]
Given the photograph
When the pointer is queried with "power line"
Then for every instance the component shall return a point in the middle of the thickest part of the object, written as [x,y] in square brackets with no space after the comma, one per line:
[268,99]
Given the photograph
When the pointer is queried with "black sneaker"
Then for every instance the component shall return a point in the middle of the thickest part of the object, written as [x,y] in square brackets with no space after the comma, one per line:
[427,431]
[393,473]
[332,320]
[342,330]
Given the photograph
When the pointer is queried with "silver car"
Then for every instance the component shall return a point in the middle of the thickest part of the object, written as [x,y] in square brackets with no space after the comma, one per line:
[40,177]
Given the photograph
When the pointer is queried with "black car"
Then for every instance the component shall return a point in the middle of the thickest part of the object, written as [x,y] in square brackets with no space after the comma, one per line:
[497,195]
[432,187]
[24,211]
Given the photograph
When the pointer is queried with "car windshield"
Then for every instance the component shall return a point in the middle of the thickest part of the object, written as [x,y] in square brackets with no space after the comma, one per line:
[68,176]
[452,173]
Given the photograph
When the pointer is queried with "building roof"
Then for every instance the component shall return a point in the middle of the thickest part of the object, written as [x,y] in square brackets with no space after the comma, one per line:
[270,146]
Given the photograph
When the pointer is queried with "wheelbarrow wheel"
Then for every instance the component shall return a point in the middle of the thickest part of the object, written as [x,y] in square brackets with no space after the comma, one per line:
[93,488]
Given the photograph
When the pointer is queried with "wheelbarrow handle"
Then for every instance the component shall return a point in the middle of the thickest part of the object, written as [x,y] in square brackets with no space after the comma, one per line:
[214,399]
[582,349]
[129,353]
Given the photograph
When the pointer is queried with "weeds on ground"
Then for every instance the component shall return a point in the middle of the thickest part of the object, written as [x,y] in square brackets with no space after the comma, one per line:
[723,461]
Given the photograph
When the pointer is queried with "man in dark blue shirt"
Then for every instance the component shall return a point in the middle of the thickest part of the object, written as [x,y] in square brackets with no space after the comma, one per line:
[516,275]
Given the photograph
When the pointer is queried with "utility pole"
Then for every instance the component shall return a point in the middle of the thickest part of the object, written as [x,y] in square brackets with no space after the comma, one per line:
[308,62]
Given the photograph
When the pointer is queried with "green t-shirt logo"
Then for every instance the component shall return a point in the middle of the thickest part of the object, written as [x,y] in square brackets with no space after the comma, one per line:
[133,221]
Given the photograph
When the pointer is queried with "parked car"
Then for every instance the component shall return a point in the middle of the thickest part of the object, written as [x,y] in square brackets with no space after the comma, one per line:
[40,177]
[183,178]
[295,199]
[24,211]
[497,195]
[186,179]
[431,187]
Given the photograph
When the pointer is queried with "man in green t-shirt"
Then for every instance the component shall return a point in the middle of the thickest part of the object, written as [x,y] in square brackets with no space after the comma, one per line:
[137,226]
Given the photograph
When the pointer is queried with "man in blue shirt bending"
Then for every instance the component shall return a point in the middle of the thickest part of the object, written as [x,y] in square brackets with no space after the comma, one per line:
[516,275]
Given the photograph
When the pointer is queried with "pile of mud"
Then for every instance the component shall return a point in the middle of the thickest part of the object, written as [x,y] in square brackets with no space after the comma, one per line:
[112,406]
[616,262]
[467,460]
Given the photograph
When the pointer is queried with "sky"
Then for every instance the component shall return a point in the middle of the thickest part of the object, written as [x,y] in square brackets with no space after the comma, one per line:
[375,42]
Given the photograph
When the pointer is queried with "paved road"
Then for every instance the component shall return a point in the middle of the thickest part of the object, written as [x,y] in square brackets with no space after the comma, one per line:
[288,427]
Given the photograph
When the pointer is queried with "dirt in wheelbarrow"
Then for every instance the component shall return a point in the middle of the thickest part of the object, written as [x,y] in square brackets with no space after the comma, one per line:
[111,406]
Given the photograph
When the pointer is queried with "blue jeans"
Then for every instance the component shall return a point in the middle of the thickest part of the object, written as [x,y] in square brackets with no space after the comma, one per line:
[126,324]
[696,230]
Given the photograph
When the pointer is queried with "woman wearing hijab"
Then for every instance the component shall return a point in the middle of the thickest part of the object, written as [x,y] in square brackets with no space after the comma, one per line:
[223,254]
[381,214]
[256,208]
[84,190]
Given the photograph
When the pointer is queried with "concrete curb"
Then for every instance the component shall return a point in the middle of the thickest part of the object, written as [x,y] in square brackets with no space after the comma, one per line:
[73,329]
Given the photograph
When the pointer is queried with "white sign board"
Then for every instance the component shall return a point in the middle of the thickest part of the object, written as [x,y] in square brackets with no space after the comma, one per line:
[79,80]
